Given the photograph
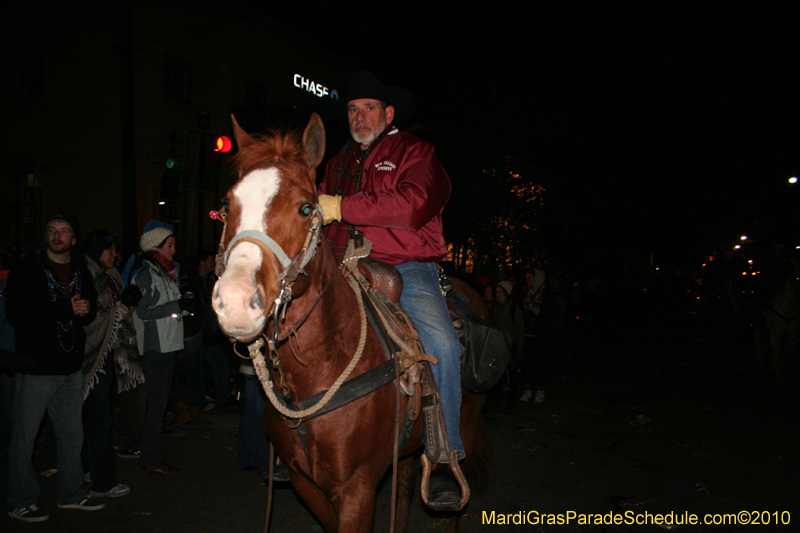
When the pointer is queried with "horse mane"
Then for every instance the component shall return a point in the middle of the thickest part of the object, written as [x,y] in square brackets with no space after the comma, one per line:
[271,148]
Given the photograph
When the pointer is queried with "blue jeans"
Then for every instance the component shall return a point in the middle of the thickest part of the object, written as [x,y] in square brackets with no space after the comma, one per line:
[62,398]
[424,303]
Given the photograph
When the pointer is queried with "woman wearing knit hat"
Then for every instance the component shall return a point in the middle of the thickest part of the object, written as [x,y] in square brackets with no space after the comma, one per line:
[159,333]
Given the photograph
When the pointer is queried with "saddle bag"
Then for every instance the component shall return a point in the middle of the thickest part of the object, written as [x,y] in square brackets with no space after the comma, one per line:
[485,348]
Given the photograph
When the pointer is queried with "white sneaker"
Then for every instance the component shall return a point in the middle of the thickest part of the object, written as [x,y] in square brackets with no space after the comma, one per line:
[539,398]
[113,492]
[86,504]
[31,513]
[526,396]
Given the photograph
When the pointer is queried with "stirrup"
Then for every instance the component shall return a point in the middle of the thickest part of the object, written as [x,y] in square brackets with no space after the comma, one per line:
[455,468]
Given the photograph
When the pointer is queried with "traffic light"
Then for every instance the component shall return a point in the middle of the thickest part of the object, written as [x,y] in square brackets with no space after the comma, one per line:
[216,159]
[174,165]
[223,144]
[177,151]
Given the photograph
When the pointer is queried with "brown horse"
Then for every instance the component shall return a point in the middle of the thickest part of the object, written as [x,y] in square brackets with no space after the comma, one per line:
[777,327]
[273,247]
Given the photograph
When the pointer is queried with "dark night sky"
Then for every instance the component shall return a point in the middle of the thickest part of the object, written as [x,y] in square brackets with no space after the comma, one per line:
[669,128]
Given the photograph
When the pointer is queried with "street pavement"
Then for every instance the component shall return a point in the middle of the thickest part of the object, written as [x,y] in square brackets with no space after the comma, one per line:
[641,418]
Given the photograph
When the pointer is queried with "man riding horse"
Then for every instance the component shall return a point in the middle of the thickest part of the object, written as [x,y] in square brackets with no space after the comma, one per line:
[389,185]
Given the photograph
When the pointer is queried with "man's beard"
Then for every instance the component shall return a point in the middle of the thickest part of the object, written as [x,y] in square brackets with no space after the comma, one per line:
[368,137]
[58,246]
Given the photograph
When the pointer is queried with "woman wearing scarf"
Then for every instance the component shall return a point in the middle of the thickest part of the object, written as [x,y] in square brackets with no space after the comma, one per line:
[159,331]
[110,352]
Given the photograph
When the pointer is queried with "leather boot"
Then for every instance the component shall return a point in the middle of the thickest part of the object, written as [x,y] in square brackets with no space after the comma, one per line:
[183,414]
[443,488]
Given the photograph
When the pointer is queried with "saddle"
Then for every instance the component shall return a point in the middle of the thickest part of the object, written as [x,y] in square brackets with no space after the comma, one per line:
[382,277]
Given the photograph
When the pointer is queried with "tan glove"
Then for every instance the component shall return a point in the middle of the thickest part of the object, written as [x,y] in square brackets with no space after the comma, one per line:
[331,208]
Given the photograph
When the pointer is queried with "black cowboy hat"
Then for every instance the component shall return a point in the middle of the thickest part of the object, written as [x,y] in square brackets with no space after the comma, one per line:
[364,84]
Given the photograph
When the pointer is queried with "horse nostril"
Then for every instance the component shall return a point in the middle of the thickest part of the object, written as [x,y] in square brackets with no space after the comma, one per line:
[255,301]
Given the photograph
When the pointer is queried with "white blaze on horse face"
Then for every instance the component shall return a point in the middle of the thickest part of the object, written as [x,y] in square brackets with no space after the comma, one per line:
[236,300]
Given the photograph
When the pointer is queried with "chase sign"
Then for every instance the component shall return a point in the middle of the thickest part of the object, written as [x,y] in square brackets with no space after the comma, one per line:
[317,89]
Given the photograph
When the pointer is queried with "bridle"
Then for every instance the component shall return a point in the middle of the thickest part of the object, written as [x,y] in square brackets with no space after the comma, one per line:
[292,268]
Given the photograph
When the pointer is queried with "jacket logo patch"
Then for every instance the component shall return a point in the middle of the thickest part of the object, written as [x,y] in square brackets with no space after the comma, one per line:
[385,165]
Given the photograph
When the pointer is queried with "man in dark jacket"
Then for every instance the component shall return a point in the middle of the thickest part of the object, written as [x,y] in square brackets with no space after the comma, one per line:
[49,299]
[389,185]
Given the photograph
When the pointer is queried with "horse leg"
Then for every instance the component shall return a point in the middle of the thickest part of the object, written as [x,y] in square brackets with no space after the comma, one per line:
[355,503]
[406,472]
[317,501]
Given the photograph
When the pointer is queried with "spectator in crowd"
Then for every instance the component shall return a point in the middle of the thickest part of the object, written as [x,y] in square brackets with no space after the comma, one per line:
[10,362]
[110,353]
[508,318]
[134,262]
[216,348]
[189,361]
[488,298]
[159,333]
[253,440]
[49,300]
[541,310]
[9,365]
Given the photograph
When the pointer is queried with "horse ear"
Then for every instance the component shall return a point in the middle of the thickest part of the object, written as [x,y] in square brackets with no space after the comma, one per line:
[314,141]
[243,139]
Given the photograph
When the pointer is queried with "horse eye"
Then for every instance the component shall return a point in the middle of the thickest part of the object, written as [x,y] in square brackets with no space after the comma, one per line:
[306,209]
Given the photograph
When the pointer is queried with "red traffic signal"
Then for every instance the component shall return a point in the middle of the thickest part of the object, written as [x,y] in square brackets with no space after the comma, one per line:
[223,144]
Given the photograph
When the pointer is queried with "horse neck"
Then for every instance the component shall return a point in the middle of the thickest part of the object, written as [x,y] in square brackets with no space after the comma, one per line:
[326,341]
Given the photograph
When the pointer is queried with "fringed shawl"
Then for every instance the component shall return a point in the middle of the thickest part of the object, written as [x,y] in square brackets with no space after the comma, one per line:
[111,332]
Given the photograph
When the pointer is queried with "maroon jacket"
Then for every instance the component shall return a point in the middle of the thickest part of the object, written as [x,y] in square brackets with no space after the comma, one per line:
[399,204]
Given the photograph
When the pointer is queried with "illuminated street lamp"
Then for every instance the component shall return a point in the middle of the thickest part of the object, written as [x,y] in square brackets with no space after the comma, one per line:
[793,179]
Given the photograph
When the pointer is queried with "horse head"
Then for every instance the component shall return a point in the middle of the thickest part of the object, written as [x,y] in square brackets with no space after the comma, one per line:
[272,209]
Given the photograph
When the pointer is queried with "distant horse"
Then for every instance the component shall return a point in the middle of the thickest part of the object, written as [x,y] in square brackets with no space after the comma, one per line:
[273,247]
[777,327]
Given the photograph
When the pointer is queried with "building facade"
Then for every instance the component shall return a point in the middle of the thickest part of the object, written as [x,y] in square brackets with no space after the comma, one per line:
[97,99]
